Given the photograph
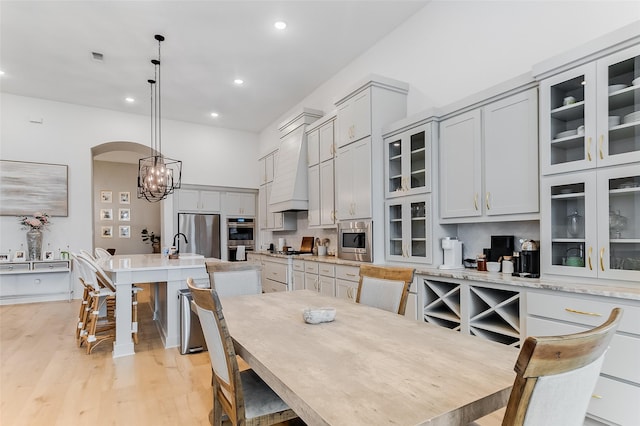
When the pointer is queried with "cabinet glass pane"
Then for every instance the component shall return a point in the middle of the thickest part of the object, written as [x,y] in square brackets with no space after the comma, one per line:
[624,223]
[395,230]
[418,160]
[567,225]
[395,166]
[418,230]
[624,106]
[567,115]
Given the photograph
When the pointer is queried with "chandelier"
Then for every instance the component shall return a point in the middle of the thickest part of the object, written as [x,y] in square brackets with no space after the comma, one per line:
[158,176]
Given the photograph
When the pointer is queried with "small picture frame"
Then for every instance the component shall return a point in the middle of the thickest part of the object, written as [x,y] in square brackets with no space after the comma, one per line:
[124,231]
[4,257]
[124,214]
[125,198]
[106,232]
[106,214]
[19,256]
[106,196]
[48,255]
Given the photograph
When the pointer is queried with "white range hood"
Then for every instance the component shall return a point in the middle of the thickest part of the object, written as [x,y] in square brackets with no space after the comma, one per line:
[289,190]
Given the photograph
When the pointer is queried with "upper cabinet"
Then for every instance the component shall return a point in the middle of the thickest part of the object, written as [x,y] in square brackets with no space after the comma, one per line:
[408,162]
[265,167]
[354,121]
[489,161]
[201,201]
[320,152]
[240,204]
[590,114]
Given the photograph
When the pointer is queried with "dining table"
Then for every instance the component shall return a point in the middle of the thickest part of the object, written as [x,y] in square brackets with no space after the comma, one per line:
[367,366]
[167,277]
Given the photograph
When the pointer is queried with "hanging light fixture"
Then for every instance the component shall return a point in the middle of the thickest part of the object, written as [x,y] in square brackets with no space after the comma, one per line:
[158,176]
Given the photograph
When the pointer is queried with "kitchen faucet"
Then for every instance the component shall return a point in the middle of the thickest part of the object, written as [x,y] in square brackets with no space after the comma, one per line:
[175,237]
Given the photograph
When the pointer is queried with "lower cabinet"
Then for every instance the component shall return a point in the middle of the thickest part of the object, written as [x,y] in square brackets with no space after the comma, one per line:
[298,275]
[347,282]
[36,281]
[617,393]
[480,309]
[276,272]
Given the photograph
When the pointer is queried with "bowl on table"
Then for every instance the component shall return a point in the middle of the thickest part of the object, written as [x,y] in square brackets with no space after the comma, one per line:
[493,266]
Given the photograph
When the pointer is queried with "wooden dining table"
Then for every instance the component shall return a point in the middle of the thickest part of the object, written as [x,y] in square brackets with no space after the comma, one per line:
[368,366]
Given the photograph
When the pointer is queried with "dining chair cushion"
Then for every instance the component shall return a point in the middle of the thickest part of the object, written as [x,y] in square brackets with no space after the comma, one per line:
[259,398]
[215,344]
[383,294]
[237,283]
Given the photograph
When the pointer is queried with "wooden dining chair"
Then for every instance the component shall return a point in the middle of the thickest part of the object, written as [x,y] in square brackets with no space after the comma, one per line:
[234,278]
[556,375]
[242,395]
[384,287]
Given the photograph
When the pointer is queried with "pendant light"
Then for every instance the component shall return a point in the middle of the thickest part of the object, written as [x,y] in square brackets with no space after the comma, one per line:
[158,176]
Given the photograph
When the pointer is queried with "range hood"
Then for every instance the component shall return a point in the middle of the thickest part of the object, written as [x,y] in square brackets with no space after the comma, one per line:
[289,189]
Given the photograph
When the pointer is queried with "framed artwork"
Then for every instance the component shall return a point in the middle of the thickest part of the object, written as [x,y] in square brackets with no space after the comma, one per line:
[125,198]
[19,256]
[48,255]
[106,232]
[106,196]
[106,214]
[4,257]
[33,187]
[124,214]
[125,231]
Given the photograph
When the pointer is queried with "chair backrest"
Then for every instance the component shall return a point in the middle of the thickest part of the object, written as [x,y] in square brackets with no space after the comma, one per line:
[102,253]
[556,376]
[86,275]
[385,287]
[234,278]
[226,375]
[102,279]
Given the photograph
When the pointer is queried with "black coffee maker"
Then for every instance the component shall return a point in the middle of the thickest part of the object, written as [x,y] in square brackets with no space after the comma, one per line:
[529,264]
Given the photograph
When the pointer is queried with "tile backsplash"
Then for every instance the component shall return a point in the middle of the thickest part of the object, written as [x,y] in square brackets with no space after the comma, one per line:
[294,238]
[476,236]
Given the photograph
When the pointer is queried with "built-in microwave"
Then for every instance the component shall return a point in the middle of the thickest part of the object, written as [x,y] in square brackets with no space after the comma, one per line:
[355,240]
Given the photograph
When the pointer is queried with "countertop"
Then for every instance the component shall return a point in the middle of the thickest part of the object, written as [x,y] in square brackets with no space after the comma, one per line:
[565,284]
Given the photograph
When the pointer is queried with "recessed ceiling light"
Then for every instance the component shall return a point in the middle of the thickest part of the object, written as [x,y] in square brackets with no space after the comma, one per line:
[280,25]
[129,100]
[214,114]
[238,81]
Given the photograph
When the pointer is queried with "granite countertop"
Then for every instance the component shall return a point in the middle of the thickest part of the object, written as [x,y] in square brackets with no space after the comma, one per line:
[564,284]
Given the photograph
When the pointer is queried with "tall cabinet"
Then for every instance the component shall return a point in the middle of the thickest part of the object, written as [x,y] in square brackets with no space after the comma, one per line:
[361,114]
[321,150]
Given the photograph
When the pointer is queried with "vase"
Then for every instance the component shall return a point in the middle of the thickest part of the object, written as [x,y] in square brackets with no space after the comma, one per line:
[34,244]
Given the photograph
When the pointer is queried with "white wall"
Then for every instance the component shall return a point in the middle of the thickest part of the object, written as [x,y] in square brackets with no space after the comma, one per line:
[210,156]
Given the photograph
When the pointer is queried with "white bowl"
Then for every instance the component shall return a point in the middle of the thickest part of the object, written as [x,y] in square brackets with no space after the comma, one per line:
[566,134]
[616,87]
[614,120]
[630,118]
[493,266]
[636,82]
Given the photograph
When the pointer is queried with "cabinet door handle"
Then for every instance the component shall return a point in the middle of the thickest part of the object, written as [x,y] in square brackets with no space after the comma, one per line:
[600,147]
[589,258]
[487,197]
[575,311]
[602,259]
[589,148]
[475,201]
[351,275]
[596,396]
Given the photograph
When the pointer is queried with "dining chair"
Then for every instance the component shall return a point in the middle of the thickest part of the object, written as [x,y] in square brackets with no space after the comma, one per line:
[101,253]
[556,375]
[384,287]
[234,278]
[242,395]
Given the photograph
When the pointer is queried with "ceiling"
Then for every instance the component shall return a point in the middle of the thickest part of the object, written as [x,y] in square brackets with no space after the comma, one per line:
[46,52]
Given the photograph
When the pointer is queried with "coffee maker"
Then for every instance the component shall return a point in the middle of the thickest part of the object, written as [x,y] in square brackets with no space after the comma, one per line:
[452,249]
[529,266]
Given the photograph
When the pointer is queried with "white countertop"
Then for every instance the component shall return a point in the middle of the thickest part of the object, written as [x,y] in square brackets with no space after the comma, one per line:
[128,262]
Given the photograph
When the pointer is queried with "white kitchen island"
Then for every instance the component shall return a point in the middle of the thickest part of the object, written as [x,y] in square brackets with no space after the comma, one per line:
[168,277]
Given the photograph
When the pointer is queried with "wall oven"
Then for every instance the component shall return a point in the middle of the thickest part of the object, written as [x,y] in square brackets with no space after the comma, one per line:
[240,232]
[355,240]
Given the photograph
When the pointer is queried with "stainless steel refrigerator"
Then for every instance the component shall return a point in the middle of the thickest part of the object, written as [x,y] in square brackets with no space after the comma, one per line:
[202,232]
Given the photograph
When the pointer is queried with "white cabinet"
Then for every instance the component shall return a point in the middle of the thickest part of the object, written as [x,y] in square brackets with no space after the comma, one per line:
[313,147]
[327,148]
[276,274]
[408,162]
[281,221]
[586,116]
[409,229]
[265,167]
[354,118]
[615,398]
[313,179]
[353,181]
[192,200]
[298,275]
[35,281]
[239,204]
[591,223]
[488,162]
[347,282]
[321,148]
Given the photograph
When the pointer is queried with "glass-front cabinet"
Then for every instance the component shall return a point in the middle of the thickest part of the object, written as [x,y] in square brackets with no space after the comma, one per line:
[408,162]
[408,229]
[590,115]
[591,223]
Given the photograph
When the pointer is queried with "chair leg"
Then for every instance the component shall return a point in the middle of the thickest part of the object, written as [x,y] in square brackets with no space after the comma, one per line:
[217,407]
[81,316]
[134,316]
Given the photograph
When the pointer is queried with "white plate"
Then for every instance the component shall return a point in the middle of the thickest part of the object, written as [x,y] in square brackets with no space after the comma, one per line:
[636,82]
[566,134]
[630,118]
[616,87]
[614,120]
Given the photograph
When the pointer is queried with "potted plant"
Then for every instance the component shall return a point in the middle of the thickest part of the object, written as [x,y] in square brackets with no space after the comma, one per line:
[150,237]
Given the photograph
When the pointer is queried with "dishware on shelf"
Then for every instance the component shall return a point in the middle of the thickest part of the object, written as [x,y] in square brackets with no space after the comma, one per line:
[614,120]
[566,134]
[580,130]
[630,118]
[617,224]
[616,87]
[574,224]
[636,82]
[568,100]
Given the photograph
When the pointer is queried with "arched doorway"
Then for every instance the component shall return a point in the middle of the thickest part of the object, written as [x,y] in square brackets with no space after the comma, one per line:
[119,216]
